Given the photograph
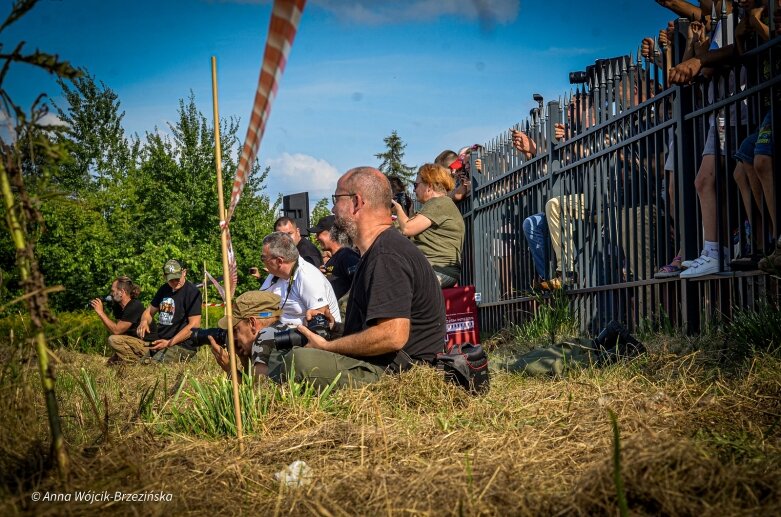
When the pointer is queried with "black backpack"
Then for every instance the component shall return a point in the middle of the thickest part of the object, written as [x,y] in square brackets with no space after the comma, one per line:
[466,365]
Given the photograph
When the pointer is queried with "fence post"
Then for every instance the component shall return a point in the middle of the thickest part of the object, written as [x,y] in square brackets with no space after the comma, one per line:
[684,190]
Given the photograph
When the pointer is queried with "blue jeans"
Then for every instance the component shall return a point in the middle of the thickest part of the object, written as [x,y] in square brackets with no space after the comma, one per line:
[535,228]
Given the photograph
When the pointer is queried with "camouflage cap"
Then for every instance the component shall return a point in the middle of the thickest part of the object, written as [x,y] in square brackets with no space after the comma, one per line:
[260,304]
[172,270]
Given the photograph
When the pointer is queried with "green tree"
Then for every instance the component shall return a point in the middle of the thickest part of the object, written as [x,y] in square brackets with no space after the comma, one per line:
[392,159]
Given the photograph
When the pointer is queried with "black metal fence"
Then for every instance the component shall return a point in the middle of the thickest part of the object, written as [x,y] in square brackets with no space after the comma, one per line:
[618,193]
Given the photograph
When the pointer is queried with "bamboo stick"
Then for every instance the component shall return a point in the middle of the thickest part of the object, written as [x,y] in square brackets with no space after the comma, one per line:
[225,267]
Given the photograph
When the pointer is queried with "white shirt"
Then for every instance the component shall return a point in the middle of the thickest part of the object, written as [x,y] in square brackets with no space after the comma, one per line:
[310,289]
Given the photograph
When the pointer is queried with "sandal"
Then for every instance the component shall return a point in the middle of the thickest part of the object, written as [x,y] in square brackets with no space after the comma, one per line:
[670,270]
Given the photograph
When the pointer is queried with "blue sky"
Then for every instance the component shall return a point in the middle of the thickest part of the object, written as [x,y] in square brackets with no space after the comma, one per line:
[433,70]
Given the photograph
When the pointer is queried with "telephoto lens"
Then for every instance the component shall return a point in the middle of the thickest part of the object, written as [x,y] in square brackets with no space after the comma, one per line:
[201,336]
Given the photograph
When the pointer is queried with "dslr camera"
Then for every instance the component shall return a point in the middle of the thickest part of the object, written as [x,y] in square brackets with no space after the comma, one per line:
[283,339]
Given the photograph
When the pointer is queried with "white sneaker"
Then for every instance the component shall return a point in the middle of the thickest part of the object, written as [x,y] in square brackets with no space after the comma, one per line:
[688,263]
[701,266]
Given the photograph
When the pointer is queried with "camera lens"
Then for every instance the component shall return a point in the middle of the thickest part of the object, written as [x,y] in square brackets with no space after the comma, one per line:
[201,336]
[287,339]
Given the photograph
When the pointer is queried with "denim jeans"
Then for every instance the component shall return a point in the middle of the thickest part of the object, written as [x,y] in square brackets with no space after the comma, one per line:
[535,228]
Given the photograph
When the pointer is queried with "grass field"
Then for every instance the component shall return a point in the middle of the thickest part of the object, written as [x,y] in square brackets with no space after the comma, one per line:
[698,435]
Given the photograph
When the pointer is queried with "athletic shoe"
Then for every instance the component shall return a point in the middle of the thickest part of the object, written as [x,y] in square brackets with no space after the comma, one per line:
[701,266]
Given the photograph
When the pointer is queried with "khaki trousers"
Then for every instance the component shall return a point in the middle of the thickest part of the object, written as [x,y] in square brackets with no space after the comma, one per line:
[128,349]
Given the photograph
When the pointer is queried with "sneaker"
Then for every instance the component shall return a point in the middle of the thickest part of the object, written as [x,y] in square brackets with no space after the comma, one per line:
[702,266]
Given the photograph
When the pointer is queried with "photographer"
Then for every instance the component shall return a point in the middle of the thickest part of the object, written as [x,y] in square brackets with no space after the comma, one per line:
[299,284]
[255,322]
[179,304]
[438,228]
[396,313]
[127,313]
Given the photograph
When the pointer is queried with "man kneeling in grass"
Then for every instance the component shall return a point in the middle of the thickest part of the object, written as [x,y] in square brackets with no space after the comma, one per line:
[255,322]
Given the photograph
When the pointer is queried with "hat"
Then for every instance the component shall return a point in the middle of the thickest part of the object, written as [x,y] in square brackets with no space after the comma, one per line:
[260,304]
[172,270]
[324,224]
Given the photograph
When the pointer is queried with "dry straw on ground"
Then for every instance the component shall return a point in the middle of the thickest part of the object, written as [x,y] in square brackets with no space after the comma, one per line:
[694,441]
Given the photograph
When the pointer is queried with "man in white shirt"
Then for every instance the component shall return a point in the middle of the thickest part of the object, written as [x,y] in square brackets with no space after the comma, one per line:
[300,285]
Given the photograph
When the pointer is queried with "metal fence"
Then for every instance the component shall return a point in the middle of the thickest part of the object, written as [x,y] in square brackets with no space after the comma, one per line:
[619,197]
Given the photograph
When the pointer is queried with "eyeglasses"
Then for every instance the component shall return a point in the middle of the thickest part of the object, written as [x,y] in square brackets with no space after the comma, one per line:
[415,184]
[266,258]
[334,197]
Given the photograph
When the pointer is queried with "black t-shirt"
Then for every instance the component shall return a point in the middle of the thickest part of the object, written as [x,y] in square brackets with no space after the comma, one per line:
[340,269]
[394,280]
[175,308]
[132,313]
[309,252]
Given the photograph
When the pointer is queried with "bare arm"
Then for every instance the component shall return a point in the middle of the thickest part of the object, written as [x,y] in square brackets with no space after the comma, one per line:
[388,335]
[411,226]
[146,320]
[181,336]
[120,327]
[683,9]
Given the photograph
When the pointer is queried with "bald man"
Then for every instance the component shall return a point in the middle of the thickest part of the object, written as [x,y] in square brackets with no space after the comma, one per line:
[396,313]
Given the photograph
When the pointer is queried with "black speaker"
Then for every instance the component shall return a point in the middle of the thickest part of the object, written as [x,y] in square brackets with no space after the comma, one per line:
[296,207]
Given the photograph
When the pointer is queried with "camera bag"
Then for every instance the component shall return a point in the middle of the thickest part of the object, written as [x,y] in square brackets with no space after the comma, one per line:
[465,364]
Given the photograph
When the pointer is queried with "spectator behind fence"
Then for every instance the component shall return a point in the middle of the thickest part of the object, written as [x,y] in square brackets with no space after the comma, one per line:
[340,268]
[438,228]
[712,51]
[255,322]
[458,165]
[306,249]
[754,170]
[178,303]
[300,285]
[695,37]
[396,313]
[128,348]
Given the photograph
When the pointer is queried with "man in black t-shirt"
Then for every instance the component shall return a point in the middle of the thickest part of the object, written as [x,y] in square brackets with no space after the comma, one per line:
[396,313]
[179,304]
[341,267]
[306,249]
[127,312]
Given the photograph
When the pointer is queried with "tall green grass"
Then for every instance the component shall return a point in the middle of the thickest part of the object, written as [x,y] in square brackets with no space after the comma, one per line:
[555,318]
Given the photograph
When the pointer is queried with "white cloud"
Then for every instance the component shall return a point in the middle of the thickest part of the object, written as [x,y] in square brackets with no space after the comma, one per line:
[292,173]
[374,12]
[50,119]
[488,12]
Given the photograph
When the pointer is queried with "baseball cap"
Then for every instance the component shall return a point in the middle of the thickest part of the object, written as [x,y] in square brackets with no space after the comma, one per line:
[260,304]
[324,224]
[172,270]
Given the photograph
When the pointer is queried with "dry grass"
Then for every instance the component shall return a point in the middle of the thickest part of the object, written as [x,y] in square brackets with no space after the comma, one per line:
[694,441]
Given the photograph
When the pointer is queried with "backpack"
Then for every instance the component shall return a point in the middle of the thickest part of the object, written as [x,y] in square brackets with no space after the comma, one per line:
[465,364]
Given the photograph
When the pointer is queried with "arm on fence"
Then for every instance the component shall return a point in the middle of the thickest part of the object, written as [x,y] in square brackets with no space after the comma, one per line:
[685,9]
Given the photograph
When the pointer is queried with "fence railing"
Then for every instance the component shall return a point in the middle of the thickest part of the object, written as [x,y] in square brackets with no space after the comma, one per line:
[617,195]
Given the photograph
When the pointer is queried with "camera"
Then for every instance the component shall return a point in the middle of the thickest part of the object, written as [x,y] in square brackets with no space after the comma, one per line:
[201,336]
[400,198]
[287,339]
[283,339]
[106,299]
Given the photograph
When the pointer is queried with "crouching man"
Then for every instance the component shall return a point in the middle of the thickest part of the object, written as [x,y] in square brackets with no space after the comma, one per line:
[127,312]
[255,323]
[396,313]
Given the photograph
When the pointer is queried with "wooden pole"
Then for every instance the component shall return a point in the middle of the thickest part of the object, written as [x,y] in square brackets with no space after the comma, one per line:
[205,295]
[225,266]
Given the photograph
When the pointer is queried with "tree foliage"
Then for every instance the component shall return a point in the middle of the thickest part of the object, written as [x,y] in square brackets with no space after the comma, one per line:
[393,158]
[123,206]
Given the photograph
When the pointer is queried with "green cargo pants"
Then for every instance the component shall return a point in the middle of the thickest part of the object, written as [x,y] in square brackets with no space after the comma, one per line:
[321,368]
